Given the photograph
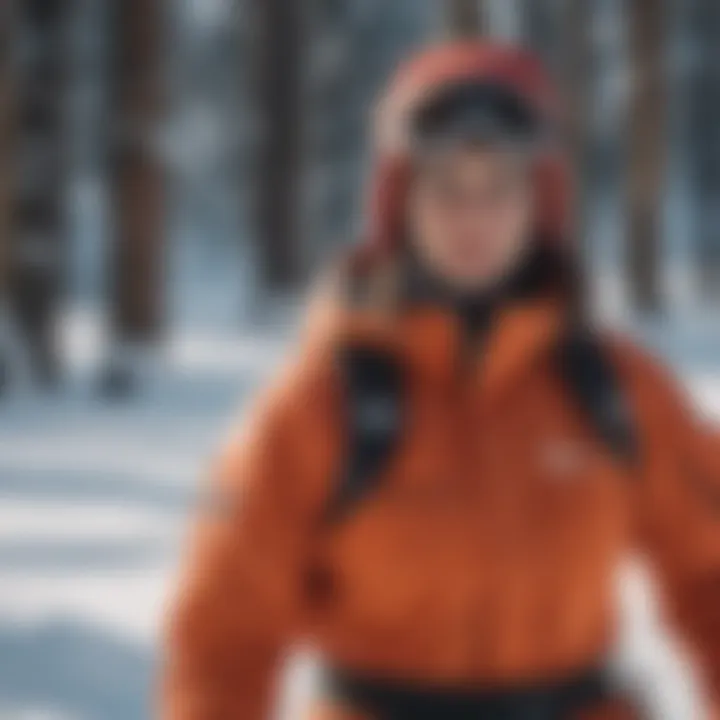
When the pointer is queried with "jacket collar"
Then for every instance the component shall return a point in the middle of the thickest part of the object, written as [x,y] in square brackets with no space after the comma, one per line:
[429,337]
[430,340]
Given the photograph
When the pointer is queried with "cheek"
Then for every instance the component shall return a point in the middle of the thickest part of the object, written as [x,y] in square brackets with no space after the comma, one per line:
[504,228]
[509,230]
[431,223]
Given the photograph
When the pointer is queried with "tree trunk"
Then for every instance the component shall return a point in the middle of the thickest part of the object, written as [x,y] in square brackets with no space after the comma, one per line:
[466,18]
[38,246]
[7,145]
[704,137]
[337,98]
[574,66]
[279,65]
[646,171]
[7,170]
[137,282]
[543,20]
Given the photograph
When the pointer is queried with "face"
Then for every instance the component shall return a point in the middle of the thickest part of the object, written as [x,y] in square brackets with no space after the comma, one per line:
[470,214]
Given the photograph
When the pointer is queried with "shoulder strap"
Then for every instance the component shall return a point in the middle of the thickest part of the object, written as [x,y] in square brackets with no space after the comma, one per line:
[374,391]
[374,395]
[593,383]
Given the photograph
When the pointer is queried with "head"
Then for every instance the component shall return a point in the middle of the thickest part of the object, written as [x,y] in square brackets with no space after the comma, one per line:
[470,178]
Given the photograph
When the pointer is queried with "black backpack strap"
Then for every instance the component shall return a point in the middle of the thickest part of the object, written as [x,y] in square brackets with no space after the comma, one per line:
[592,380]
[373,386]
[375,411]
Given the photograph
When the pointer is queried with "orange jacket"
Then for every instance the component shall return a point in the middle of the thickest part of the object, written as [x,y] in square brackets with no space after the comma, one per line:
[487,552]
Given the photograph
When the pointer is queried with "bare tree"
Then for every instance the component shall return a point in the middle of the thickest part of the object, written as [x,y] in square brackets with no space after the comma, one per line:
[136,267]
[7,114]
[647,150]
[38,248]
[7,164]
[466,18]
[344,83]
[279,55]
[136,172]
[543,22]
[338,95]
[704,141]
[575,69]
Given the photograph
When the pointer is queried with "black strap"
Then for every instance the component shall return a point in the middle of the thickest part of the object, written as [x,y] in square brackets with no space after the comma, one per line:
[375,408]
[558,699]
[593,384]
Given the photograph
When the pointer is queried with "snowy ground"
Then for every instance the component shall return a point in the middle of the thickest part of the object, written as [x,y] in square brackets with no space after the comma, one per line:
[93,502]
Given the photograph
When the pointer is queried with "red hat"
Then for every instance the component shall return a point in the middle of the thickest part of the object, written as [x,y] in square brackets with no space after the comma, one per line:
[420,79]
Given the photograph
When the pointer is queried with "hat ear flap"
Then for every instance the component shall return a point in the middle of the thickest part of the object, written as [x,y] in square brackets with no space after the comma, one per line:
[388,196]
[553,195]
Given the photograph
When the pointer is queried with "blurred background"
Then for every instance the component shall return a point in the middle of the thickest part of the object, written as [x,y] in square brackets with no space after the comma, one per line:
[172,175]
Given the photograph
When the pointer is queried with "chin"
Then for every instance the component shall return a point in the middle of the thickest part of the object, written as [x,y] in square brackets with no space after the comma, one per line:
[472,281]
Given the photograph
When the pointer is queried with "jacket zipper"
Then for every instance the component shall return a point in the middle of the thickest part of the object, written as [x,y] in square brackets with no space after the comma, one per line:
[465,372]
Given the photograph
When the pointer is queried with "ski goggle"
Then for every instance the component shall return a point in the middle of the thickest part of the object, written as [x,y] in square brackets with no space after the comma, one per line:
[476,112]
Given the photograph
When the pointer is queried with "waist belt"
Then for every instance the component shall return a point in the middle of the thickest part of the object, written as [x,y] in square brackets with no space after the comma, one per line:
[386,700]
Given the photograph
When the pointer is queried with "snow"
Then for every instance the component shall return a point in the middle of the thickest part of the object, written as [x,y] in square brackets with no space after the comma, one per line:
[94,500]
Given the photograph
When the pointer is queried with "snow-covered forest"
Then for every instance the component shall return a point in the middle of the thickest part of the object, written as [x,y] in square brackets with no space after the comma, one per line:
[172,175]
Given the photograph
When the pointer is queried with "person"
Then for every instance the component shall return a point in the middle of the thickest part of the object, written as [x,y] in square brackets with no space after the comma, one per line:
[436,493]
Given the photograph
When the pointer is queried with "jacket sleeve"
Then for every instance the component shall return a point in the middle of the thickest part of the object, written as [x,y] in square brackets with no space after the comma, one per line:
[680,510]
[239,605]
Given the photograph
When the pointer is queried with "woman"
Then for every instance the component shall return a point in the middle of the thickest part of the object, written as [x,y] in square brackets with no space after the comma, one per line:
[437,493]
